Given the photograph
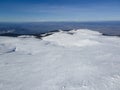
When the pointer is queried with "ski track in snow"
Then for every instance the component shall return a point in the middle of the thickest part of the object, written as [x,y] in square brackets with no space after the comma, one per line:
[74,60]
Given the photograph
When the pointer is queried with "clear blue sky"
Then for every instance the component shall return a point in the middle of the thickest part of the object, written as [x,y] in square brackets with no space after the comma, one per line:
[59,10]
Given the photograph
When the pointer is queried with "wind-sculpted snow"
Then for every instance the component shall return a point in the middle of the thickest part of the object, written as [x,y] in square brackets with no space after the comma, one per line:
[74,38]
[66,60]
[6,49]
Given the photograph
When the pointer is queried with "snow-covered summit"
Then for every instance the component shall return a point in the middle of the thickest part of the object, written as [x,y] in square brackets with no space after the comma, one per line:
[82,37]
[66,60]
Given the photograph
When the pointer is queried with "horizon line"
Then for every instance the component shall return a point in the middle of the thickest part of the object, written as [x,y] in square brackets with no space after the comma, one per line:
[57,21]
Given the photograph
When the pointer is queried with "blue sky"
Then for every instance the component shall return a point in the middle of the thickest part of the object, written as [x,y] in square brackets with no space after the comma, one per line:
[59,10]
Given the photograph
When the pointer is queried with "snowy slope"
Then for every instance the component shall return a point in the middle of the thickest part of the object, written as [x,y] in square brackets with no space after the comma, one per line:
[74,60]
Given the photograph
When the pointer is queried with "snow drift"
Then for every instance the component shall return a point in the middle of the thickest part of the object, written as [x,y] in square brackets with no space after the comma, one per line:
[66,60]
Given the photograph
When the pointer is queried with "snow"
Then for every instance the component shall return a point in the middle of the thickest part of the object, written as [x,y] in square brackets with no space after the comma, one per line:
[74,38]
[66,60]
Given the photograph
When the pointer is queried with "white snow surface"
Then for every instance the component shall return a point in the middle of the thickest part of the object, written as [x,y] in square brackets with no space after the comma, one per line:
[66,60]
